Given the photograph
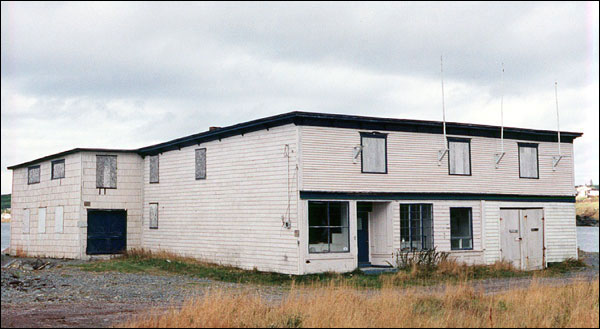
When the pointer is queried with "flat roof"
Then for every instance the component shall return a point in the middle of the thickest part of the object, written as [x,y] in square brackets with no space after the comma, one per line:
[338,121]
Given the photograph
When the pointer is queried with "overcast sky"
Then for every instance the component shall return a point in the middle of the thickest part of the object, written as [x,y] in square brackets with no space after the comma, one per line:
[127,75]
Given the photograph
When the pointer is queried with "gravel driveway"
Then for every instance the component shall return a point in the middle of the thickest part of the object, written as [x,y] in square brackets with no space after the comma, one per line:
[61,295]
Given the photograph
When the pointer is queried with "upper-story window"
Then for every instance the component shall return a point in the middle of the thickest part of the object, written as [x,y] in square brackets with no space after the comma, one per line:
[58,169]
[154,169]
[201,164]
[33,174]
[374,153]
[528,160]
[459,156]
[106,171]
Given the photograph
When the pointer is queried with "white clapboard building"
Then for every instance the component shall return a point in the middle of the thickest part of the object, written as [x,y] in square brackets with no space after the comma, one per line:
[306,192]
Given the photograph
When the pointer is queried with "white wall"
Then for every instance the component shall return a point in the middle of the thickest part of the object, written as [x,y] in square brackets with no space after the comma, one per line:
[48,194]
[560,233]
[327,161]
[234,215]
[127,195]
[559,229]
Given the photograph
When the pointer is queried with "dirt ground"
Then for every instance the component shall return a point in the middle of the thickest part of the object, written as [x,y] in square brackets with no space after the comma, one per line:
[53,293]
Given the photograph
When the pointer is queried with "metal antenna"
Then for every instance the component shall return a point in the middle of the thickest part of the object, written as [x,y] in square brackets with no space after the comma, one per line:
[502,110]
[556,159]
[443,98]
[499,156]
[442,153]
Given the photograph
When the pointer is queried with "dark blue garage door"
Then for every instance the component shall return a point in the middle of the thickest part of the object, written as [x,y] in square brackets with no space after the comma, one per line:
[106,232]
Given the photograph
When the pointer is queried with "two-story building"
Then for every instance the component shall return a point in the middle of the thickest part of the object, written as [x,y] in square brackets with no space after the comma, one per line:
[305,192]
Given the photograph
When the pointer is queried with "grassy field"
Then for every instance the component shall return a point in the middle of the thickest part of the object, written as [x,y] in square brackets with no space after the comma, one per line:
[587,208]
[573,305]
[446,272]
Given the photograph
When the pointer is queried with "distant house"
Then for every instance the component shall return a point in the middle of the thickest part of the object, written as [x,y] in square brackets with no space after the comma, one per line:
[6,217]
[302,193]
[586,191]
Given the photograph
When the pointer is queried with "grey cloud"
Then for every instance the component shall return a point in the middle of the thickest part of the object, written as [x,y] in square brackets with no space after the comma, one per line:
[148,72]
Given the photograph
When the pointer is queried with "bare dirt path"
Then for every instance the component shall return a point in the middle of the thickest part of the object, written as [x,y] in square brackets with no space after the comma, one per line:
[60,295]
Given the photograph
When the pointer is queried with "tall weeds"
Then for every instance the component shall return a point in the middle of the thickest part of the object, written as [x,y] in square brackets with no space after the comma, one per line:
[573,305]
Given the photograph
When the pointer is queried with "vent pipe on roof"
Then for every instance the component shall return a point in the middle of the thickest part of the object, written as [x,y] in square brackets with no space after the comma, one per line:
[442,153]
[556,159]
[499,156]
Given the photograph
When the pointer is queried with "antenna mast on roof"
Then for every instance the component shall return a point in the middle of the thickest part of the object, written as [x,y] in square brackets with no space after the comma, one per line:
[500,155]
[556,159]
[442,153]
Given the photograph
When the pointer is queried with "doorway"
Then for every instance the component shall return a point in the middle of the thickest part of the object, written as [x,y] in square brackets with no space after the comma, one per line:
[362,234]
[106,232]
[522,237]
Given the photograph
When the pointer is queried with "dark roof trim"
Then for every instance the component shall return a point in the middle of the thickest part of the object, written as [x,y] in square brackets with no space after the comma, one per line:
[313,195]
[337,121]
[65,153]
[364,123]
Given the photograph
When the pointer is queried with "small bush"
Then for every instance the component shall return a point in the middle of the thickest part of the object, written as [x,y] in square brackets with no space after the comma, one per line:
[427,259]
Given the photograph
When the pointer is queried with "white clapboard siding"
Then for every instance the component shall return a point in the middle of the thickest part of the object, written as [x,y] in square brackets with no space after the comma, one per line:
[26,237]
[327,162]
[234,216]
[560,229]
[127,196]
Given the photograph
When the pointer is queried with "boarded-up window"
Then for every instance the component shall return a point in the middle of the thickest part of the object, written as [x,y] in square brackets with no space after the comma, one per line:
[374,153]
[201,163]
[459,156]
[42,220]
[154,169]
[153,215]
[58,220]
[528,160]
[33,175]
[58,169]
[25,220]
[106,171]
[461,229]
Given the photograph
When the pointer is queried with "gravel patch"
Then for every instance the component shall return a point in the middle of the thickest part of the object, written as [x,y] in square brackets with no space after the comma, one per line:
[54,293]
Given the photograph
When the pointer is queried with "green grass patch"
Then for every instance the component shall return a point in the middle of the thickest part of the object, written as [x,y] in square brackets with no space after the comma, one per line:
[162,264]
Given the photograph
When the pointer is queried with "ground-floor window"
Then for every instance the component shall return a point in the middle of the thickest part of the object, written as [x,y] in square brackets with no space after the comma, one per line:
[416,227]
[461,229]
[328,227]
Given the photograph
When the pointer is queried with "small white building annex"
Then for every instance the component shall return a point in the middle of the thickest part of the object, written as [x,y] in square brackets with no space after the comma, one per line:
[306,192]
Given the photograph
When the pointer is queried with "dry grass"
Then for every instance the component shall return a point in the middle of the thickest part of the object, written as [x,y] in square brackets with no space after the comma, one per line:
[573,305]
[449,271]
[587,208]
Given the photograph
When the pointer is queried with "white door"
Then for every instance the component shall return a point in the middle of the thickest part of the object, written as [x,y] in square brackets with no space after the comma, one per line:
[510,236]
[522,238]
[533,238]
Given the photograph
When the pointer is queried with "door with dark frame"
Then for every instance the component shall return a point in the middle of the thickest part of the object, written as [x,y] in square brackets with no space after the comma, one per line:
[362,223]
[106,232]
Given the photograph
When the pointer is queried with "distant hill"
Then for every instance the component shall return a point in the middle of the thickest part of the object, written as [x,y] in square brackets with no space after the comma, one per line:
[5,201]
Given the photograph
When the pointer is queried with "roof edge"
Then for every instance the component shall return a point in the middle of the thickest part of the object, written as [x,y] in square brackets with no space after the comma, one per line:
[71,151]
[333,120]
